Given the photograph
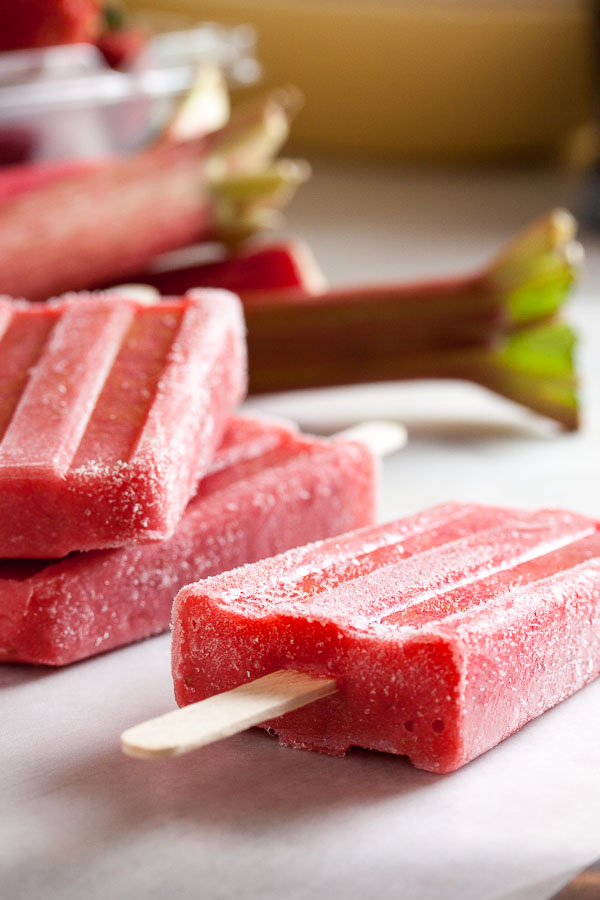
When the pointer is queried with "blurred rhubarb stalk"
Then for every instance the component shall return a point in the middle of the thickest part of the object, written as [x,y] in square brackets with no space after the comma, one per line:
[101,222]
[254,267]
[500,328]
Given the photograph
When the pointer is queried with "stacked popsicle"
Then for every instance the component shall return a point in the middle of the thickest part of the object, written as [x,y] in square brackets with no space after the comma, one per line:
[123,475]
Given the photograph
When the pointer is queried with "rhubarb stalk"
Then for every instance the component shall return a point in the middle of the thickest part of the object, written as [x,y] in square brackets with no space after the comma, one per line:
[105,223]
[499,328]
[275,266]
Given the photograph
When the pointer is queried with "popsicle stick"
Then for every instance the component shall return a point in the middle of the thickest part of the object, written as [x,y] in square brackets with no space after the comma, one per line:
[218,717]
[380,435]
[143,293]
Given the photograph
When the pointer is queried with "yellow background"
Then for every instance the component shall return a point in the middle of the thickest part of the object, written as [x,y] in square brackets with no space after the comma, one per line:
[433,81]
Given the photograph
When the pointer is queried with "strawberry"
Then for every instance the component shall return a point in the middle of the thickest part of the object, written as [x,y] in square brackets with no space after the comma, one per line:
[120,46]
[43,23]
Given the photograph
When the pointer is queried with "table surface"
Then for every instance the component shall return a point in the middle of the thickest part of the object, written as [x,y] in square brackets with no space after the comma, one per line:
[247,818]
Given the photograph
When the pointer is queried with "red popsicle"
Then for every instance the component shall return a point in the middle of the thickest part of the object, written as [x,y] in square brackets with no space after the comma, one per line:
[268,488]
[442,633]
[110,411]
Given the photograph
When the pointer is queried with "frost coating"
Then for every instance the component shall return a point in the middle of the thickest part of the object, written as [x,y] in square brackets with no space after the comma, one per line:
[447,630]
[268,489]
[110,414]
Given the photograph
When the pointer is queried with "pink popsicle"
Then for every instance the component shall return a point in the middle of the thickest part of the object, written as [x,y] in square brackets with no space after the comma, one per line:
[110,412]
[446,631]
[269,488]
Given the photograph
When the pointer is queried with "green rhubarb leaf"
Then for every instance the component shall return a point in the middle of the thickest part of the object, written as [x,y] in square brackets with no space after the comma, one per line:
[544,293]
[203,109]
[546,350]
[537,269]
[250,202]
[552,231]
[254,134]
[536,368]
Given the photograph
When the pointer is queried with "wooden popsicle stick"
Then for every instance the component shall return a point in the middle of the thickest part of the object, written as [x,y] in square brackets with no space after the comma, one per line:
[143,293]
[218,717]
[382,436]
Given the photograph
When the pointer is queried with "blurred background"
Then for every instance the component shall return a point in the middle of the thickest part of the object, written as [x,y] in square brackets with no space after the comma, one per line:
[437,81]
[435,130]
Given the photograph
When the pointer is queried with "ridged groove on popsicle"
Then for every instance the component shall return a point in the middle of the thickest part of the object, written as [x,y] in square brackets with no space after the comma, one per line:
[63,387]
[113,416]
[474,597]
[298,565]
[21,345]
[402,570]
[130,387]
[109,365]
[410,541]
[461,562]
[198,338]
[481,656]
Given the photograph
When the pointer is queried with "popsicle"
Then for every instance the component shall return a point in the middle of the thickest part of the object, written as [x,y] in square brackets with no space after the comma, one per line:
[268,488]
[110,411]
[436,636]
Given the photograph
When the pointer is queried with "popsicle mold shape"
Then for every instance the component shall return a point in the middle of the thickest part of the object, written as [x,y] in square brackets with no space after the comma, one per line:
[110,411]
[445,631]
[268,488]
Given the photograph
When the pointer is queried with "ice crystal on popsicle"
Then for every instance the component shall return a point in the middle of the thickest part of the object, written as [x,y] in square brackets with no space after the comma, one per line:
[268,488]
[110,411]
[444,632]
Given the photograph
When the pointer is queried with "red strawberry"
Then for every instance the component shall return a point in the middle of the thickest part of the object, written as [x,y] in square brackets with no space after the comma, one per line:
[121,46]
[43,23]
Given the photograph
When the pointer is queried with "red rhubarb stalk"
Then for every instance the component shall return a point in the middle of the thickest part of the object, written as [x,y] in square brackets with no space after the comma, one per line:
[278,266]
[15,180]
[499,328]
[91,227]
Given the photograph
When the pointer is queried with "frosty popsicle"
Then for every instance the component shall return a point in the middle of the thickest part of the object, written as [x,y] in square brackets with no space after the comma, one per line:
[268,488]
[441,633]
[110,411]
